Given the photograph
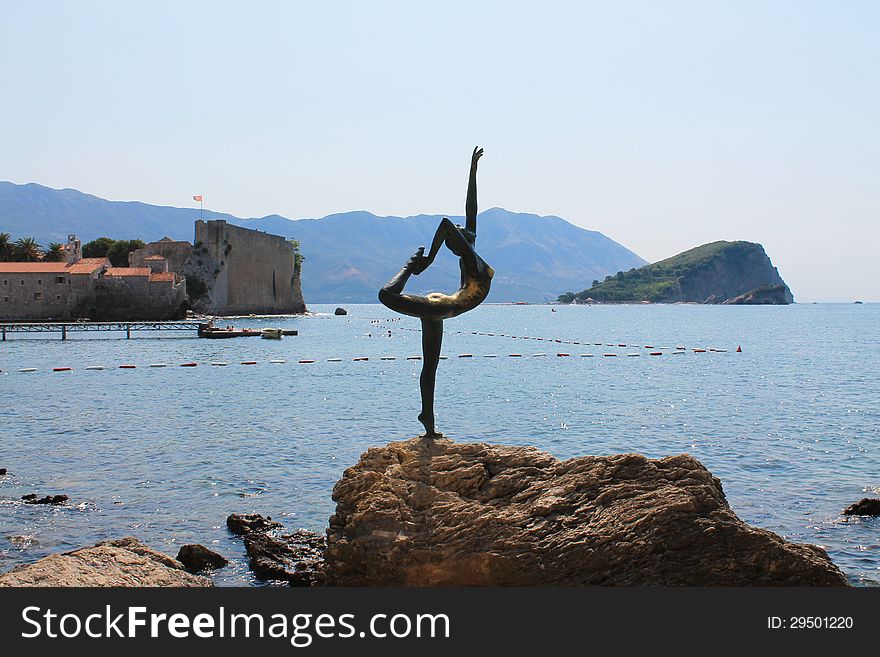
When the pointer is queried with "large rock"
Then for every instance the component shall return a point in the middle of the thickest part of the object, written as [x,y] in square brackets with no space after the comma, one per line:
[423,513]
[121,562]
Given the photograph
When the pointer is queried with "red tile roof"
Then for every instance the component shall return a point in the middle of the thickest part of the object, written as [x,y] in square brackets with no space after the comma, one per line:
[87,265]
[162,276]
[32,267]
[84,266]
[128,271]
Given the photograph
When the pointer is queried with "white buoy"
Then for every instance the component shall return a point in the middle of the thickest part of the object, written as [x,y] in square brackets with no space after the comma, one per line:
[158,365]
[95,367]
[219,363]
[334,360]
[538,355]
[278,361]
[28,369]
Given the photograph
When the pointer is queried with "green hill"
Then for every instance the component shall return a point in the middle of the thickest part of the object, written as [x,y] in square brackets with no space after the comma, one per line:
[712,273]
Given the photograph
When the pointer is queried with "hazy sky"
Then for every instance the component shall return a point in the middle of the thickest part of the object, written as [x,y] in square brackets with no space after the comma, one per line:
[662,124]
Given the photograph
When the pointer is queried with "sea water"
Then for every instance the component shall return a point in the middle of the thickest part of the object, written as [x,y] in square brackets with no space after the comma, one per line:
[790,424]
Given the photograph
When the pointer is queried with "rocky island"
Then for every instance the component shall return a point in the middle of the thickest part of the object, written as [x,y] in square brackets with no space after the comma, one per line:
[718,272]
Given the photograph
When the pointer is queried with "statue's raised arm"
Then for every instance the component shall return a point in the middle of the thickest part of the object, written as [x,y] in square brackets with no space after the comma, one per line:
[470,205]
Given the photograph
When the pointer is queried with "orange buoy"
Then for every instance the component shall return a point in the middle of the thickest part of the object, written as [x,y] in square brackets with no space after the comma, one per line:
[656,353]
[739,349]
[414,358]
[248,362]
[609,355]
[699,351]
[361,358]
[127,367]
[188,364]
[61,369]
[515,355]
[465,355]
[306,361]
[562,355]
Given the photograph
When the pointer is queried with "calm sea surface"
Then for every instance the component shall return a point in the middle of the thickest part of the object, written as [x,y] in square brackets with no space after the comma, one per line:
[791,425]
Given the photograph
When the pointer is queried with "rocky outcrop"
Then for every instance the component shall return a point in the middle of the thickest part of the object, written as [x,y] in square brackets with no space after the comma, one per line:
[121,562]
[245,523]
[439,513]
[867,506]
[296,558]
[768,295]
[31,498]
[197,558]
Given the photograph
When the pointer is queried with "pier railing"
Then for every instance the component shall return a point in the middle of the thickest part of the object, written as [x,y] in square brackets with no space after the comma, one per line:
[67,327]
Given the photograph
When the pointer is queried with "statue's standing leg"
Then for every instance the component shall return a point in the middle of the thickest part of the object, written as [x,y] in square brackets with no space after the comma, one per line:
[432,340]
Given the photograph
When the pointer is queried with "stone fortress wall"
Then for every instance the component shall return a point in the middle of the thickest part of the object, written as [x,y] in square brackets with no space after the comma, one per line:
[242,271]
[174,251]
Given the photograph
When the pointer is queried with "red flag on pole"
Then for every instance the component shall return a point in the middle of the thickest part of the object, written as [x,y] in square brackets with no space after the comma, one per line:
[198,198]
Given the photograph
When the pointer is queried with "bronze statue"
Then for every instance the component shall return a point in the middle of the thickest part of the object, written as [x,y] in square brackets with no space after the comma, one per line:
[476,276]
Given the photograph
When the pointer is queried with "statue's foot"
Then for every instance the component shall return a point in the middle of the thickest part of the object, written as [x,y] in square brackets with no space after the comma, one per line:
[428,422]
[415,264]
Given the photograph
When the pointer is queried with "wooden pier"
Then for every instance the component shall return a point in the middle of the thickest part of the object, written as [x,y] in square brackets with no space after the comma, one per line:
[68,327]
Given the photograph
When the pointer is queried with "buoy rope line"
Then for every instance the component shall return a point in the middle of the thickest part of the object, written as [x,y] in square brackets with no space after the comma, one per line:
[630,345]
[373,359]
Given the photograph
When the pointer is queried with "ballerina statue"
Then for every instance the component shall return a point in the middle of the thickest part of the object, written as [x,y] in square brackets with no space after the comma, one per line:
[476,277]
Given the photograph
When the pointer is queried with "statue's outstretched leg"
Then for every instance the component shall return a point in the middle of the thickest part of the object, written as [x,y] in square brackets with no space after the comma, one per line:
[432,340]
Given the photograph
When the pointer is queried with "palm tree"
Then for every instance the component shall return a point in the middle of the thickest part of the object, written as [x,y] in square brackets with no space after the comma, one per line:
[55,253]
[5,247]
[27,250]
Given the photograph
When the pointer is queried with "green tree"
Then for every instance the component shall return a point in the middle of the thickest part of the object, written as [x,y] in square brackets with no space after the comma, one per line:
[97,248]
[27,250]
[55,253]
[5,247]
[119,250]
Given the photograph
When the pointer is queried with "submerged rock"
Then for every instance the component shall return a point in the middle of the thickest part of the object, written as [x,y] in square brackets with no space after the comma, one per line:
[121,562]
[197,558]
[440,513]
[244,523]
[2,471]
[296,558]
[340,311]
[865,507]
[48,499]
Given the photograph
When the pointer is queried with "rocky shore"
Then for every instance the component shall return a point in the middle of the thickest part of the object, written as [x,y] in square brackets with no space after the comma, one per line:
[121,562]
[441,513]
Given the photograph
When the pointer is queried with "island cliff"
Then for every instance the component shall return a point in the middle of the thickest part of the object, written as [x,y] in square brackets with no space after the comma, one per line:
[718,272]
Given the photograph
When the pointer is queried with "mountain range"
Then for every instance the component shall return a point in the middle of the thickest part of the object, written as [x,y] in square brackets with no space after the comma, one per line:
[348,256]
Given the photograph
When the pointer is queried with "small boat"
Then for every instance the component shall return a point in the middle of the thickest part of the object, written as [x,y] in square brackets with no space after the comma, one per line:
[271,333]
[210,331]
